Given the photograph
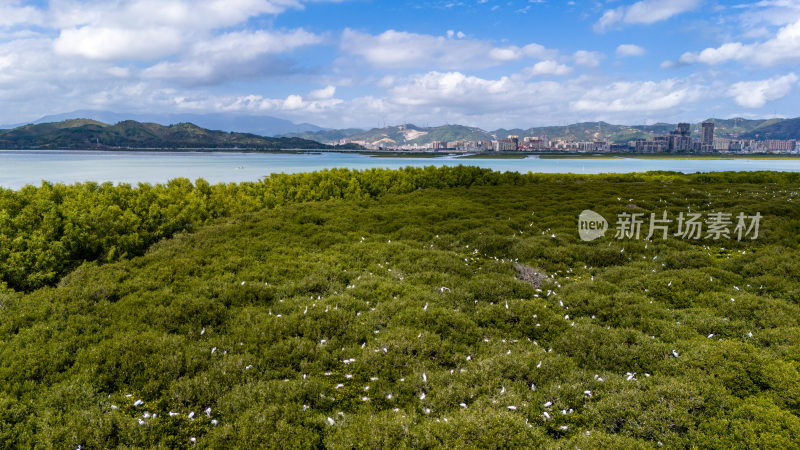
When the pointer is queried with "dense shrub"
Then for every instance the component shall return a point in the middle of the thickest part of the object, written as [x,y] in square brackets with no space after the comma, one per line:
[285,317]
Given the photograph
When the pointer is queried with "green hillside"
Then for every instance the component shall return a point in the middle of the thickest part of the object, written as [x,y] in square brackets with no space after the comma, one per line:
[783,129]
[737,127]
[399,135]
[89,134]
[328,135]
[728,128]
[425,308]
[586,131]
[450,133]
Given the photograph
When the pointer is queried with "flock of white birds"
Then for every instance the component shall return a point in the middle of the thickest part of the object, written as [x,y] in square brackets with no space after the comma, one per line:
[471,256]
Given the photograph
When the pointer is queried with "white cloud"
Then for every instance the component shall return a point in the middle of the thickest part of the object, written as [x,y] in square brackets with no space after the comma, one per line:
[756,94]
[770,13]
[323,94]
[548,67]
[587,58]
[11,13]
[504,54]
[514,53]
[650,11]
[317,103]
[714,55]
[609,18]
[452,88]
[173,55]
[245,45]
[668,64]
[119,43]
[455,97]
[293,102]
[148,29]
[630,50]
[783,48]
[235,54]
[69,54]
[644,12]
[431,97]
[643,96]
[386,81]
[400,49]
[183,14]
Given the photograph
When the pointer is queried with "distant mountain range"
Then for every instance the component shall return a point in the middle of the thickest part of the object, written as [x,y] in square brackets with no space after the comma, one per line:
[92,134]
[87,133]
[409,134]
[240,123]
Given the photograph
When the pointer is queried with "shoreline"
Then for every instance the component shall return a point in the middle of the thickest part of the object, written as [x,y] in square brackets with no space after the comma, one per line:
[69,166]
[429,155]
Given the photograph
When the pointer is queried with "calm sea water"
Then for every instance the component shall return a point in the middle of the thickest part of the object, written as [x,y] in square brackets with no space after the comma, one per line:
[18,168]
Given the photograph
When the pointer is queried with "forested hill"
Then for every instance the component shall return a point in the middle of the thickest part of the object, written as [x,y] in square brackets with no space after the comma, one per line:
[784,129]
[409,134]
[90,134]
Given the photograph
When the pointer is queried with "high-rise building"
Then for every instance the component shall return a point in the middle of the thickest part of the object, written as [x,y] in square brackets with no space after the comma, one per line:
[722,144]
[657,145]
[781,146]
[506,145]
[707,140]
[680,140]
[514,139]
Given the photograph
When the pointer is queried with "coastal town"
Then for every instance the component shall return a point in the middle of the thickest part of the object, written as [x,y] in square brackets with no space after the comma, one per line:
[679,140]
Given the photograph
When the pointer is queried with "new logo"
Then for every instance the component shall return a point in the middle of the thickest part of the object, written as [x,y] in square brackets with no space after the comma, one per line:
[591,225]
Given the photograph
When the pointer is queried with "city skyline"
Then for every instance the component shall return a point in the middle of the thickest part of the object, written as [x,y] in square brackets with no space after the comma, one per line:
[679,140]
[352,63]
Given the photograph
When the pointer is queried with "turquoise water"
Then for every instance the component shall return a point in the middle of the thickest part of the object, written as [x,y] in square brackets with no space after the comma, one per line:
[18,168]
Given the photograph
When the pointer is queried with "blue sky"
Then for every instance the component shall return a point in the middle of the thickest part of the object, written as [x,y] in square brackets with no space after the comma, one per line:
[362,63]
